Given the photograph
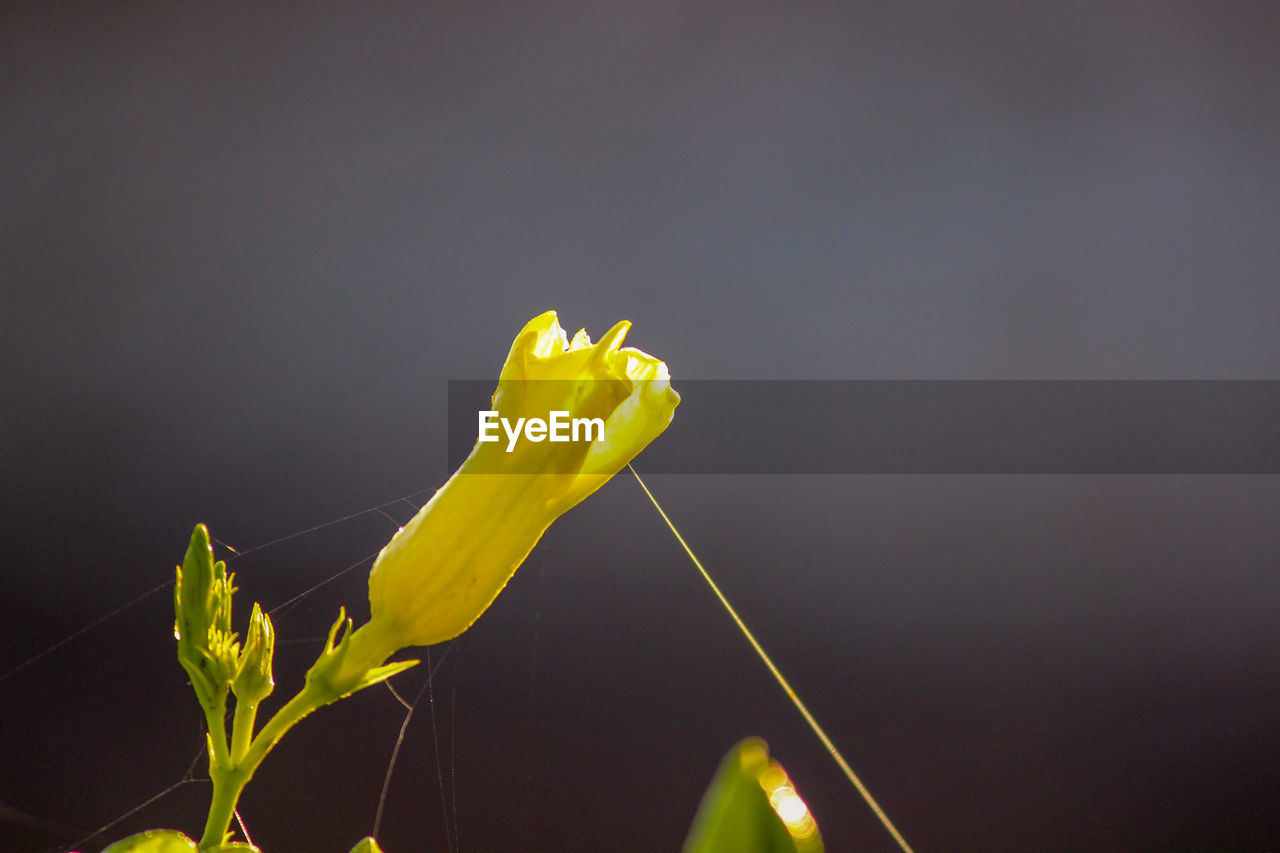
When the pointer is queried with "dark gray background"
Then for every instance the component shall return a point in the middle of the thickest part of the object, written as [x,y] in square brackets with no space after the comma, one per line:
[244,247]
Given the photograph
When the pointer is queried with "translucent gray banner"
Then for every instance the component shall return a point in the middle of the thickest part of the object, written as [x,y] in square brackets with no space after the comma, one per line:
[948,427]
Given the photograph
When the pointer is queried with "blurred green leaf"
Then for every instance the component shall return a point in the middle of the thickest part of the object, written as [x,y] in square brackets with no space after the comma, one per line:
[367,845]
[155,841]
[752,807]
[172,841]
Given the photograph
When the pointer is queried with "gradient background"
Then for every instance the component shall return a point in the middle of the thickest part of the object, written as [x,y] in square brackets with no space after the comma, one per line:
[244,248]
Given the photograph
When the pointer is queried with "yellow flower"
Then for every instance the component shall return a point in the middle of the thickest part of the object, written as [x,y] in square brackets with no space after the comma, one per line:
[443,569]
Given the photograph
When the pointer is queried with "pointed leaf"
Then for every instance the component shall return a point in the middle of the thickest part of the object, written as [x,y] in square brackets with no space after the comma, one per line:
[382,673]
[752,807]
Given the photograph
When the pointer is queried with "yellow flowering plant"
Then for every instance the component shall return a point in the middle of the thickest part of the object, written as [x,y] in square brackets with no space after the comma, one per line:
[437,574]
[443,569]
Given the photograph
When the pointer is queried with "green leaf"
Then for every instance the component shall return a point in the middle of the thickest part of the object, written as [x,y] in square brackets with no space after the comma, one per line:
[155,841]
[367,845]
[752,807]
[379,674]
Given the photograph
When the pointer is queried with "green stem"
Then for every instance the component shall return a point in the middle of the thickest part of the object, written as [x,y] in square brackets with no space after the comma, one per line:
[231,775]
[242,729]
[215,715]
[230,772]
[308,700]
[227,786]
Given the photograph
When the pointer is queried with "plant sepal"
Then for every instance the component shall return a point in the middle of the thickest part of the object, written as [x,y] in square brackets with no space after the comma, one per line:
[339,672]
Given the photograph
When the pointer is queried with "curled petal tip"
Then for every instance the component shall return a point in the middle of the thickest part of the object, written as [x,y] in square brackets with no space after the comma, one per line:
[613,338]
[581,340]
[541,337]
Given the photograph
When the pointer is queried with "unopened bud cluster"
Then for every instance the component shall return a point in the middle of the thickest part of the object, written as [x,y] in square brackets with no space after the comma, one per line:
[207,647]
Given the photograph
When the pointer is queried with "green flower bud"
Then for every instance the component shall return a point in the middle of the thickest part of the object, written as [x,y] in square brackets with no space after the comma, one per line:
[253,681]
[202,595]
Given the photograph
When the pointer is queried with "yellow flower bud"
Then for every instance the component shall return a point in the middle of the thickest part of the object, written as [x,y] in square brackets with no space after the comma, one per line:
[443,569]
